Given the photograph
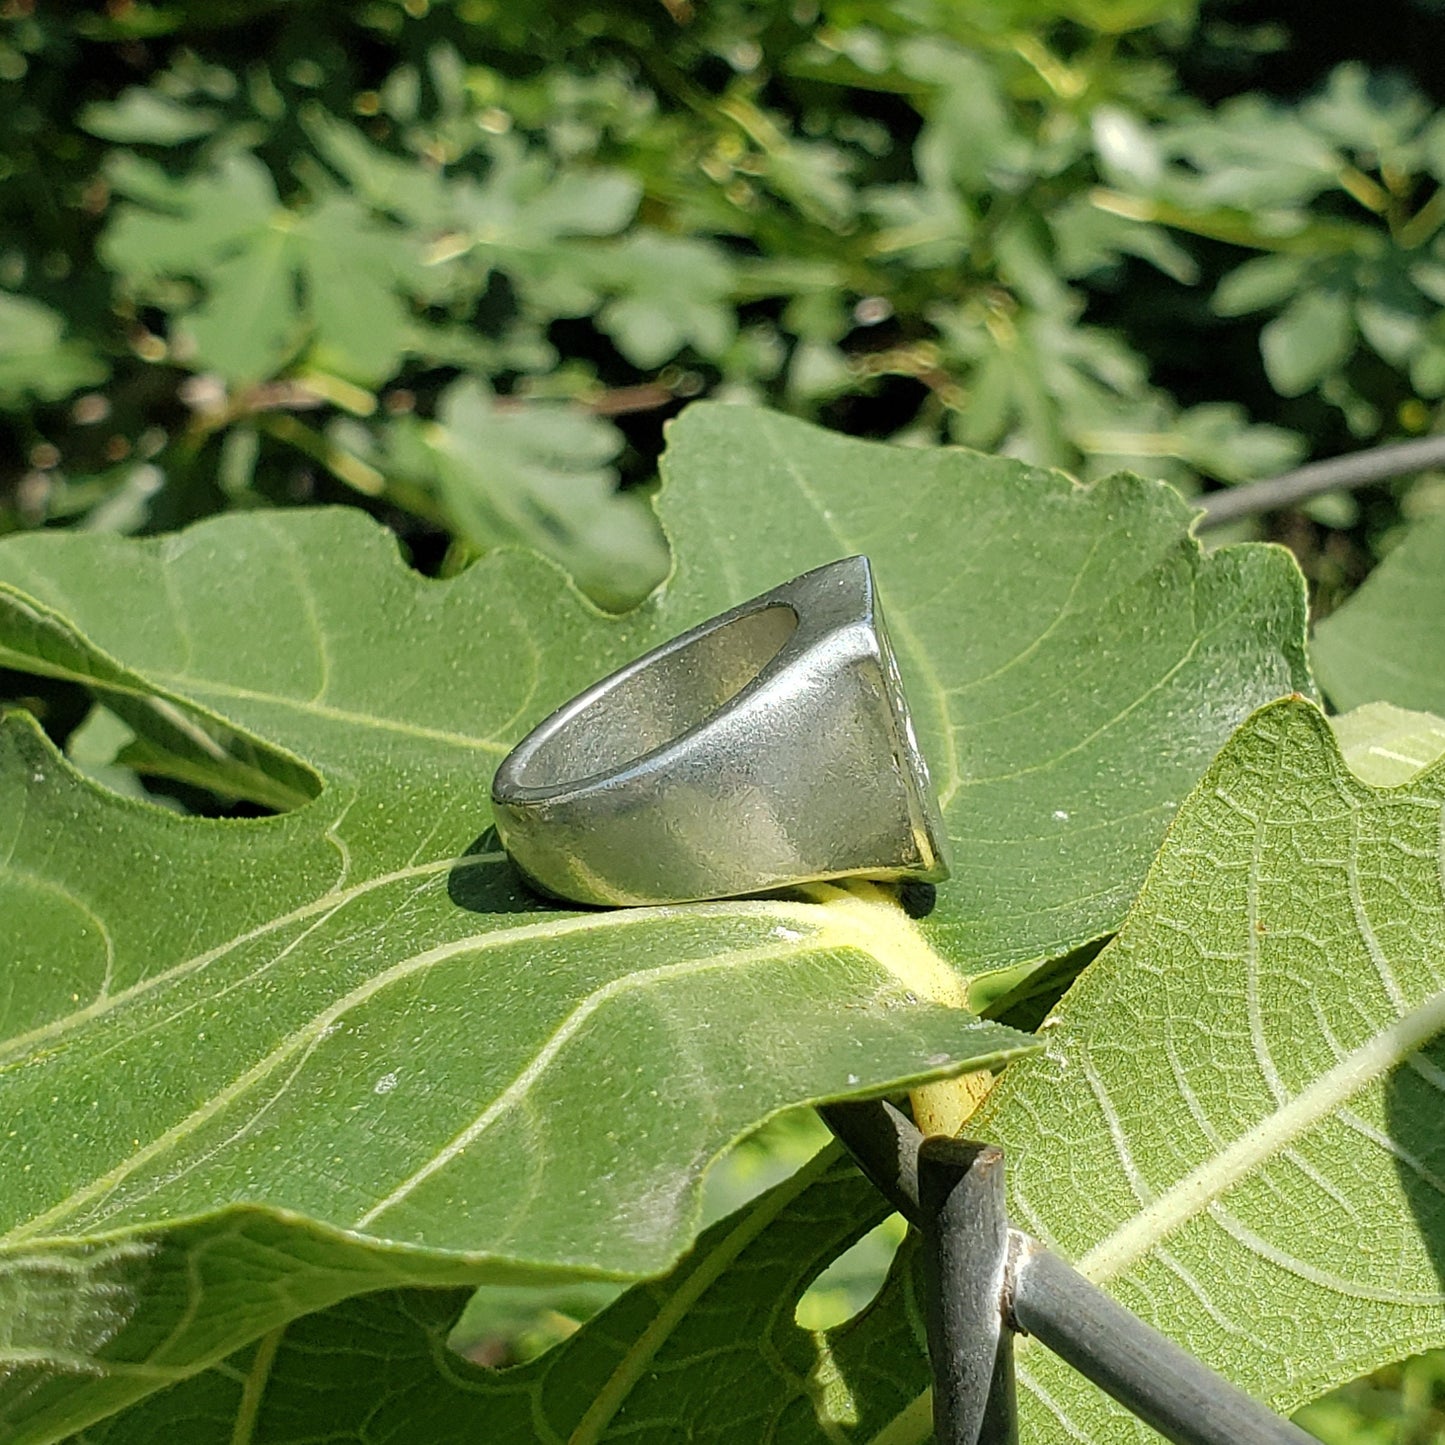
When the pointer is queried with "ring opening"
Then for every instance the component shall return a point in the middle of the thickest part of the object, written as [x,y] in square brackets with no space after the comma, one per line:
[661,701]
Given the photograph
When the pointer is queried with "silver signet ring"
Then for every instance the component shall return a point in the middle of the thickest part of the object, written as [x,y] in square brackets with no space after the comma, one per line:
[770,746]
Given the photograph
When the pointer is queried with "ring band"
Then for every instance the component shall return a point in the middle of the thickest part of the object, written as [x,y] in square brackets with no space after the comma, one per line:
[768,747]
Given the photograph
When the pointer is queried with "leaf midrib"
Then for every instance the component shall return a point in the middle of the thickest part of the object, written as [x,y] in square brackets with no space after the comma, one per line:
[1205,1183]
[316,1027]
[863,918]
[312,707]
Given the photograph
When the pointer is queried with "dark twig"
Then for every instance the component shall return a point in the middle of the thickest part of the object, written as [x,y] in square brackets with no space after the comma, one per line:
[965,1261]
[1358,469]
[1164,1386]
[884,1143]
[1178,1395]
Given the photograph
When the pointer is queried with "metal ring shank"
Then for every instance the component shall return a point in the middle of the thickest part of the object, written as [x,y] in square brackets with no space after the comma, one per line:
[766,747]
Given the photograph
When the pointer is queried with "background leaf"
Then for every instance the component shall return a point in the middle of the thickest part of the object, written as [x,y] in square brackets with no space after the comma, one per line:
[542,475]
[141,114]
[1308,339]
[271,277]
[35,358]
[672,292]
[1386,641]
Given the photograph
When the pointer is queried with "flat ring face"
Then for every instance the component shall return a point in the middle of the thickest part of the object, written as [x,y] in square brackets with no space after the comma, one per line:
[767,747]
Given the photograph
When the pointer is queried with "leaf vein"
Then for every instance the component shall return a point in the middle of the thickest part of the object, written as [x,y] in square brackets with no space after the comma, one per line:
[1197,1190]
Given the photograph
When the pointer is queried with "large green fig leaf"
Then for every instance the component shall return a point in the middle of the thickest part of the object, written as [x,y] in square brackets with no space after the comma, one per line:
[354,1021]
[1235,1125]
[1386,642]
[671,1360]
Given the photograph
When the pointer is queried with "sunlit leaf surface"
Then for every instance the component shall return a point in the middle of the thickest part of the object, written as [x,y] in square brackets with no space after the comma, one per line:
[353,1025]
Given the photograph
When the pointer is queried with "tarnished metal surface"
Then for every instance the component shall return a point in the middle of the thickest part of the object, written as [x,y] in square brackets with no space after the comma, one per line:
[770,746]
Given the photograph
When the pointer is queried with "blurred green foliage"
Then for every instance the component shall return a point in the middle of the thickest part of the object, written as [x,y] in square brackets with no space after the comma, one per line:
[1402,1405]
[456,263]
